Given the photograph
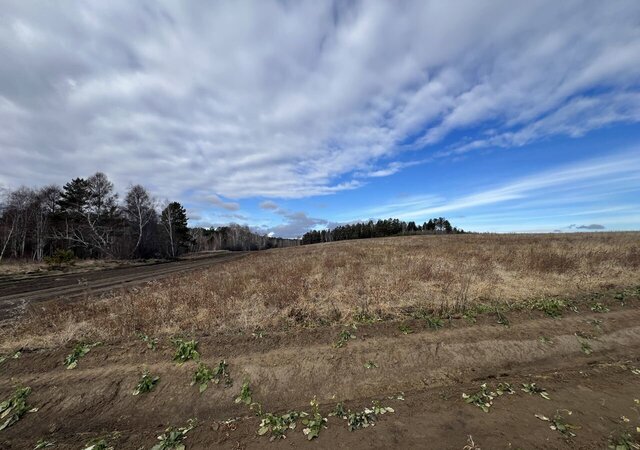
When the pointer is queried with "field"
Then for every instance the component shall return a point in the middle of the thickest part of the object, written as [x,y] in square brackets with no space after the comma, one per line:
[20,291]
[411,322]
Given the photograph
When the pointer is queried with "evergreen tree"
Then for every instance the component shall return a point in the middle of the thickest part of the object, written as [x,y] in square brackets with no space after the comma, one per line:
[175,223]
[74,197]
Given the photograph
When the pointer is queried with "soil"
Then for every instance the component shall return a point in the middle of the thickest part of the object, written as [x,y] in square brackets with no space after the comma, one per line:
[17,292]
[432,368]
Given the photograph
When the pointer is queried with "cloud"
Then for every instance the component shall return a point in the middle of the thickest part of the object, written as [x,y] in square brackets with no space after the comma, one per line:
[576,118]
[267,204]
[331,94]
[567,185]
[593,226]
[235,217]
[390,169]
[294,224]
[218,202]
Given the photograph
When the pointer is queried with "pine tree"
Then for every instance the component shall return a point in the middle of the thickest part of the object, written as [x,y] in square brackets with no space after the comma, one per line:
[175,223]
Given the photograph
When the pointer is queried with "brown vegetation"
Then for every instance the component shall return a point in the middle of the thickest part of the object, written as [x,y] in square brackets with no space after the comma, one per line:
[21,267]
[332,283]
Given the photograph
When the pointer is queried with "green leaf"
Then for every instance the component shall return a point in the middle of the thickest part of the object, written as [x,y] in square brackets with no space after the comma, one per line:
[14,408]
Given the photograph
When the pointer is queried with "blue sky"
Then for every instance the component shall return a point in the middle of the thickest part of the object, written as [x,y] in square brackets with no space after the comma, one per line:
[561,184]
[287,116]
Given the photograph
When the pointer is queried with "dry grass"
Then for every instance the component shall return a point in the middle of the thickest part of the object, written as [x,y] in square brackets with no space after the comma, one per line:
[328,283]
[21,267]
[26,267]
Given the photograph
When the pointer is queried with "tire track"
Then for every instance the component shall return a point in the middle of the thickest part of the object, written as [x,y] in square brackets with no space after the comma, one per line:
[17,295]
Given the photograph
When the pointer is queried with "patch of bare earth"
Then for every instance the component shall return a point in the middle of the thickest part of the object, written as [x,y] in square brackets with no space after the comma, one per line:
[432,368]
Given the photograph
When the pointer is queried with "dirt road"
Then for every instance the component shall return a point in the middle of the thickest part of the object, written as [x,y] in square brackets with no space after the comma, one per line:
[592,374]
[17,292]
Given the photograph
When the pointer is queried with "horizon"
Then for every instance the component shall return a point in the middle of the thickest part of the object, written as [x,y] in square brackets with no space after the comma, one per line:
[292,117]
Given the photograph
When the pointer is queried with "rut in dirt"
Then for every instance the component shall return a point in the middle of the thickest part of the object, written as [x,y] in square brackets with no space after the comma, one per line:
[287,370]
[17,293]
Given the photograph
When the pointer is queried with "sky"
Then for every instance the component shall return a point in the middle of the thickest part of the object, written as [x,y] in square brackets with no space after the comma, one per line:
[501,116]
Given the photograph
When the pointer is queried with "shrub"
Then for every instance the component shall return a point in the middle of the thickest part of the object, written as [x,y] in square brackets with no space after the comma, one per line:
[60,258]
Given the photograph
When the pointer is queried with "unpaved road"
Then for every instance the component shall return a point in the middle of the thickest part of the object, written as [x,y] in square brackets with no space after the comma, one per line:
[17,292]
[286,369]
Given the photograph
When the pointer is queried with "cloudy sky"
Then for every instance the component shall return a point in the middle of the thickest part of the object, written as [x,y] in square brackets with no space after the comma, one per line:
[500,115]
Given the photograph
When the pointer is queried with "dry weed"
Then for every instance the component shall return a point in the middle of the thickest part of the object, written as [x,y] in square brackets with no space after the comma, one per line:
[328,283]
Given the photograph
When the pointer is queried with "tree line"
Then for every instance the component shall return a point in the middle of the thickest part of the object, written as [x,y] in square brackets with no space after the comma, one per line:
[87,219]
[380,228]
[235,237]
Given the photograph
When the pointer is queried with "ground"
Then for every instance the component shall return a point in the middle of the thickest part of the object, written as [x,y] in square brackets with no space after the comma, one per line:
[583,350]
[20,291]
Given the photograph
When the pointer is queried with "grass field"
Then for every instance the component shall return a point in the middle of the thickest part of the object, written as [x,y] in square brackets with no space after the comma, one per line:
[449,342]
[334,283]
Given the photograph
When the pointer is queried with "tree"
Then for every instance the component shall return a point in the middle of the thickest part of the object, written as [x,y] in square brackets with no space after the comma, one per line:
[91,212]
[430,226]
[102,200]
[139,210]
[7,226]
[74,197]
[44,206]
[381,228]
[72,203]
[174,221]
[20,213]
[86,216]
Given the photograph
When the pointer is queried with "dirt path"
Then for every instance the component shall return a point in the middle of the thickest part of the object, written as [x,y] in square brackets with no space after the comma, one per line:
[432,367]
[16,293]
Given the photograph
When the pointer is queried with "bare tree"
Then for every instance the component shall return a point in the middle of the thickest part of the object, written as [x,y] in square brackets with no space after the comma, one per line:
[8,226]
[85,216]
[20,213]
[167,220]
[45,206]
[100,212]
[139,210]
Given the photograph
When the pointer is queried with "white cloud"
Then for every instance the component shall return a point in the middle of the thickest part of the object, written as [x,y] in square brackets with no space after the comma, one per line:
[293,223]
[296,99]
[577,117]
[619,172]
[391,168]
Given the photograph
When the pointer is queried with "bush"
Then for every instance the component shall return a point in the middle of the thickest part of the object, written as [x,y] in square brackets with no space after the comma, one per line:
[60,258]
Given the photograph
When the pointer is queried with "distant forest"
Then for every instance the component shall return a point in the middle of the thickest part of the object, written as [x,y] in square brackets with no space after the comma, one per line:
[235,237]
[85,218]
[381,228]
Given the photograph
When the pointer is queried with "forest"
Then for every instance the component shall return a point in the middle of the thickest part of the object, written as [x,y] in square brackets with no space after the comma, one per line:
[381,228]
[235,237]
[86,218]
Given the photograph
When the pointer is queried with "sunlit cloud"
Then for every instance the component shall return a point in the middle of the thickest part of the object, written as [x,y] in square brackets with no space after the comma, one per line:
[334,94]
